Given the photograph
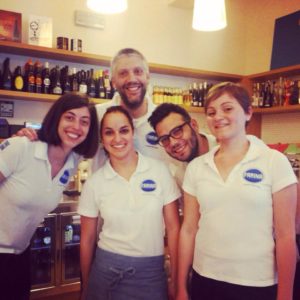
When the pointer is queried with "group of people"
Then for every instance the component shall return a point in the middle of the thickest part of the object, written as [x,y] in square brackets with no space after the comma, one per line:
[237,238]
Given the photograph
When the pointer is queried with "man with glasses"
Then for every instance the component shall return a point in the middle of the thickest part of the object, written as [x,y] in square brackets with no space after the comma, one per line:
[179,135]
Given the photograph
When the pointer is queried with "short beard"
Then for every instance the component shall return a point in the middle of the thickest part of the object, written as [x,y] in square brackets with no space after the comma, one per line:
[195,147]
[136,103]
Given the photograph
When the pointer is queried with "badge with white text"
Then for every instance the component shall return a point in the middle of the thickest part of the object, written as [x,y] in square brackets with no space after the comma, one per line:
[253,175]
[151,138]
[148,185]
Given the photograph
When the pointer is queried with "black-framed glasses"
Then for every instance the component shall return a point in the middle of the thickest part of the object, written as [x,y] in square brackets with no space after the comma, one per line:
[176,133]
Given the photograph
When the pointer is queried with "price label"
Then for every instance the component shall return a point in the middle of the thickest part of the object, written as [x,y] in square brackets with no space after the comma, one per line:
[6,109]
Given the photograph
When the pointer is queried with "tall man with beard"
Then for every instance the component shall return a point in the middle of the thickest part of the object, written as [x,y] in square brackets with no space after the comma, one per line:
[130,77]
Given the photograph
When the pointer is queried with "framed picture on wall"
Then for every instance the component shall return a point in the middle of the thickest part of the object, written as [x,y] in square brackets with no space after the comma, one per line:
[286,41]
[10,26]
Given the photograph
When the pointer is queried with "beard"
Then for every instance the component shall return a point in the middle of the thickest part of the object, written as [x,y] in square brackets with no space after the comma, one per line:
[195,147]
[133,104]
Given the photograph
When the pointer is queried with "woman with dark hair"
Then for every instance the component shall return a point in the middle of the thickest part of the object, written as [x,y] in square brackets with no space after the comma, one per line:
[240,201]
[33,176]
[135,197]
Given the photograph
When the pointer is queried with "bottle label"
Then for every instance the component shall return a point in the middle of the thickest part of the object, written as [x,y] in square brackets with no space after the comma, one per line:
[57,90]
[31,79]
[19,83]
[46,81]
[83,88]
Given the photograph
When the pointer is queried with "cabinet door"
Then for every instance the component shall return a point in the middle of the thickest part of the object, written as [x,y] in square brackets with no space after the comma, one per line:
[70,241]
[43,258]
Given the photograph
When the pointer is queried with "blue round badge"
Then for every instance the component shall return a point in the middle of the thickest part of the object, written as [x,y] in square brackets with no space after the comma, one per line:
[253,175]
[148,185]
[151,138]
[65,177]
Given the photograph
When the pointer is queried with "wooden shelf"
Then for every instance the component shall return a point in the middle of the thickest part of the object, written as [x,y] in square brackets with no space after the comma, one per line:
[100,60]
[52,53]
[16,95]
[275,74]
[278,109]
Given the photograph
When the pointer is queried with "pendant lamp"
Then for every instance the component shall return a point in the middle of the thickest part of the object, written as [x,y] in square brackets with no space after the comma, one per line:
[107,6]
[209,15]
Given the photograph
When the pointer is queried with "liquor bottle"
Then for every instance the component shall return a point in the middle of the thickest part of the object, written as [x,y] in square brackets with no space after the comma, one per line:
[92,84]
[195,95]
[29,77]
[107,84]
[267,97]
[46,82]
[294,93]
[82,84]
[74,82]
[255,94]
[67,88]
[56,87]
[261,89]
[18,82]
[101,85]
[6,76]
[38,77]
[47,236]
[201,94]
[68,233]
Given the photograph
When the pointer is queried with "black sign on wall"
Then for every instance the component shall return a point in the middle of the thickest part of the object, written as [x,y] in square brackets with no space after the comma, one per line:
[286,41]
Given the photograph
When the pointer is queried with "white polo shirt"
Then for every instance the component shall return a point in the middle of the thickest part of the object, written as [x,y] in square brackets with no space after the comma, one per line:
[28,193]
[235,241]
[144,135]
[132,210]
[178,168]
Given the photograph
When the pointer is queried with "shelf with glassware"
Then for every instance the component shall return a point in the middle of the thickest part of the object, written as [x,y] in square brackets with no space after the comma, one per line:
[93,59]
[86,58]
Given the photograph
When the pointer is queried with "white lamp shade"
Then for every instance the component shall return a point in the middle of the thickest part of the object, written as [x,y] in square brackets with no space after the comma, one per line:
[107,6]
[209,15]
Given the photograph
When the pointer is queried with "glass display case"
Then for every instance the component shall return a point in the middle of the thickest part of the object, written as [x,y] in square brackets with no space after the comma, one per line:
[43,250]
[55,261]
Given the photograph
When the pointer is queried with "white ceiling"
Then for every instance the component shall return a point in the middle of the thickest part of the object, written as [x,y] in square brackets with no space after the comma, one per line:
[189,4]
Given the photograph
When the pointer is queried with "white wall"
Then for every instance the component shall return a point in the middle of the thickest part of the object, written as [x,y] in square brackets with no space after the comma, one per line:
[162,32]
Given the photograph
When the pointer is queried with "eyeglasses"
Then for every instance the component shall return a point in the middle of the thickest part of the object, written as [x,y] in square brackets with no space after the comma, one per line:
[175,133]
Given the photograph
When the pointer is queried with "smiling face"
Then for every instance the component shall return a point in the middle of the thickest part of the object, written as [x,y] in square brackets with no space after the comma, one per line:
[73,127]
[117,135]
[130,78]
[226,118]
[185,147]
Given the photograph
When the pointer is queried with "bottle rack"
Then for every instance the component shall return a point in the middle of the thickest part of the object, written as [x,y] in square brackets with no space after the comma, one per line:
[86,58]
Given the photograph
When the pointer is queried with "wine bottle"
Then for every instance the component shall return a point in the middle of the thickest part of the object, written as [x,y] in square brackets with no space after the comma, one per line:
[56,88]
[38,77]
[6,76]
[101,85]
[46,82]
[18,82]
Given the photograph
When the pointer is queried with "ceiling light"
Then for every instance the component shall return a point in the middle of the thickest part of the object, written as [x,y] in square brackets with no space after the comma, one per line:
[209,15]
[107,6]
